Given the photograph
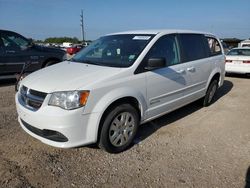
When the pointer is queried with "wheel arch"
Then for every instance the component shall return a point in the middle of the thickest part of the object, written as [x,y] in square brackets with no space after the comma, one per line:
[215,75]
[54,59]
[126,99]
[116,97]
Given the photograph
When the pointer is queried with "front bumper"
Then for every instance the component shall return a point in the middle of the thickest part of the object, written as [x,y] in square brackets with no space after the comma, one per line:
[78,128]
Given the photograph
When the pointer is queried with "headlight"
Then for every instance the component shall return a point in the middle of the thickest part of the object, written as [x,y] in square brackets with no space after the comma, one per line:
[69,99]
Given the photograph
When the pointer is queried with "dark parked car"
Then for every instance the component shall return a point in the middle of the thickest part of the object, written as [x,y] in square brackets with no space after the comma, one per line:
[16,50]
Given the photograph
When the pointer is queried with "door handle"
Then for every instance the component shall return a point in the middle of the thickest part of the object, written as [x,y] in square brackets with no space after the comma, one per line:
[191,69]
[10,51]
[181,71]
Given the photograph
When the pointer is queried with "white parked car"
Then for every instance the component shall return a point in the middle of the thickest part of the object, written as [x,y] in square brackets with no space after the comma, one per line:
[244,43]
[238,61]
[117,83]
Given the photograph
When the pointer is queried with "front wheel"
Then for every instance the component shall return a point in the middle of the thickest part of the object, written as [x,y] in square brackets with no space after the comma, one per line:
[208,99]
[119,128]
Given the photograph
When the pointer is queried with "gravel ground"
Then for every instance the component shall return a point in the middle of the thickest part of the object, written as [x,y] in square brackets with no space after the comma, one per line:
[191,147]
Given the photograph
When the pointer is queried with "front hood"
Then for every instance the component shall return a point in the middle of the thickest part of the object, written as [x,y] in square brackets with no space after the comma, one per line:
[68,76]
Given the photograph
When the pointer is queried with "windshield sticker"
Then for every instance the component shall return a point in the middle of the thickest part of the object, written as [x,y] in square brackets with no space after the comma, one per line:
[141,37]
[118,51]
[131,57]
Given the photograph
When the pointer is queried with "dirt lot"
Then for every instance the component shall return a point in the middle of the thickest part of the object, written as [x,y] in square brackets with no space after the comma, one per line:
[191,147]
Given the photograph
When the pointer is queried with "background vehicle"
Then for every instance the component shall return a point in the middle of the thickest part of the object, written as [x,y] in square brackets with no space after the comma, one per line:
[66,44]
[244,43]
[15,50]
[225,47]
[238,61]
[74,49]
[117,83]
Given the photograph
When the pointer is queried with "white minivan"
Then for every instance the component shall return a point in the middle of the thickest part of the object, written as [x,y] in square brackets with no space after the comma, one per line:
[118,82]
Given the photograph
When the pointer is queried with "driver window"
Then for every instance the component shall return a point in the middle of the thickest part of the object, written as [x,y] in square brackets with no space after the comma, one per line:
[165,47]
[15,42]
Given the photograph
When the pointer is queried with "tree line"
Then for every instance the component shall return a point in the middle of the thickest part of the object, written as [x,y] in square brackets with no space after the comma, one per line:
[60,40]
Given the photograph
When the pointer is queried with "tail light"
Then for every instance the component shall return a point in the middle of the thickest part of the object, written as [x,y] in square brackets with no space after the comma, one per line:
[246,61]
[69,50]
[228,61]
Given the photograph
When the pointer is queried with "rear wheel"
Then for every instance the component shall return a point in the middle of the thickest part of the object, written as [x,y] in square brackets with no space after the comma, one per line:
[119,128]
[208,99]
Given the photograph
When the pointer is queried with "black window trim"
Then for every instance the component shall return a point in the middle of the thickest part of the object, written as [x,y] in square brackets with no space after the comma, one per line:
[141,66]
[1,42]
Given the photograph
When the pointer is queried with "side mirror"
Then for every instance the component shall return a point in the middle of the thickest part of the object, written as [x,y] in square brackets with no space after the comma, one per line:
[30,43]
[155,63]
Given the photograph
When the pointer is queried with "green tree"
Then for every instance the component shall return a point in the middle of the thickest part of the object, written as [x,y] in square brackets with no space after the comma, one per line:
[61,40]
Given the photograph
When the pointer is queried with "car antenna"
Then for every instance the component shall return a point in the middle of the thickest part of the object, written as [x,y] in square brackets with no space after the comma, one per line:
[21,76]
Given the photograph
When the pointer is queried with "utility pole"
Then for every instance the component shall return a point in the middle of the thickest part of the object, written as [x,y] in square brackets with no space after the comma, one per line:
[82,26]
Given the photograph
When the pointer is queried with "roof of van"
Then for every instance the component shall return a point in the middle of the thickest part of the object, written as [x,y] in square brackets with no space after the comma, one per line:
[162,31]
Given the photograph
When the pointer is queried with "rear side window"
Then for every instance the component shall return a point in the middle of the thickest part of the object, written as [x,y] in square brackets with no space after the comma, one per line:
[193,47]
[214,46]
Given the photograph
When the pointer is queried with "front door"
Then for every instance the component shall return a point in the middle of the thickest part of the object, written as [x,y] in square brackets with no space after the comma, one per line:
[166,86]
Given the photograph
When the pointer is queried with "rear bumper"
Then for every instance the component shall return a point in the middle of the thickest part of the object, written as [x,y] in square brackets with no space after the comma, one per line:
[240,69]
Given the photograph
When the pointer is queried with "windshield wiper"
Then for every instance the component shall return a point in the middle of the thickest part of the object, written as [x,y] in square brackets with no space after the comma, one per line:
[88,62]
[91,62]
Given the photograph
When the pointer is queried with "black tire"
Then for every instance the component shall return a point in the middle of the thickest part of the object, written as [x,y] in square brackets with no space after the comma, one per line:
[209,97]
[108,124]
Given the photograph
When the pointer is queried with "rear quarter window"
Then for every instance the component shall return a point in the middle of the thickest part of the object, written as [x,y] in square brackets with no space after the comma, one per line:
[214,46]
[193,47]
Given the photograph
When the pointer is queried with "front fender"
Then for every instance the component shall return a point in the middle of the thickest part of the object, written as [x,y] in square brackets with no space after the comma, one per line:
[106,100]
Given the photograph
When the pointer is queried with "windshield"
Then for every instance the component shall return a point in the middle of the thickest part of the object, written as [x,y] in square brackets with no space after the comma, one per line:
[243,52]
[114,50]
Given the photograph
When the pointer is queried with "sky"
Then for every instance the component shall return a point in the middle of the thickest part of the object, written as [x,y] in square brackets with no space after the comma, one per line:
[40,19]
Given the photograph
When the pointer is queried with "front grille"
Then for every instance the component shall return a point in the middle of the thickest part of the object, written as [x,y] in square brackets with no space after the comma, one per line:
[38,93]
[45,133]
[31,99]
